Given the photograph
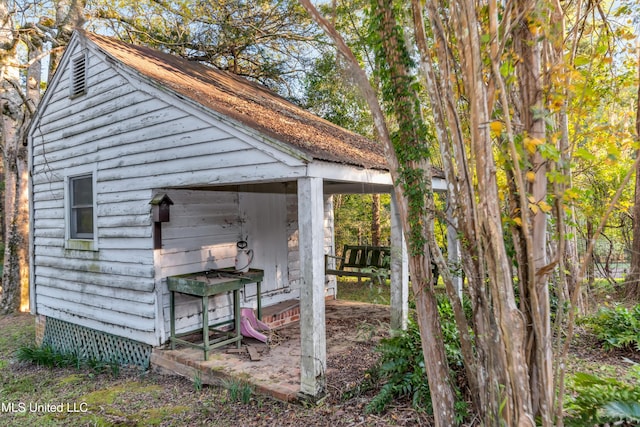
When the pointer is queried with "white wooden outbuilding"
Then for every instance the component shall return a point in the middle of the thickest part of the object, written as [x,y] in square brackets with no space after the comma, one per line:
[121,126]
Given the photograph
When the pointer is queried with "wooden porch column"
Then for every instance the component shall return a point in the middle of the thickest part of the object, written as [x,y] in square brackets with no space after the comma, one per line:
[313,360]
[399,271]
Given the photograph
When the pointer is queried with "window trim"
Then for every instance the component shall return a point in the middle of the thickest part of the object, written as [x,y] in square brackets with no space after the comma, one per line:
[80,243]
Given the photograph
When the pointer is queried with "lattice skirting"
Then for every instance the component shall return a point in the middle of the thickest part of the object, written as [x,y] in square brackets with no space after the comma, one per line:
[95,345]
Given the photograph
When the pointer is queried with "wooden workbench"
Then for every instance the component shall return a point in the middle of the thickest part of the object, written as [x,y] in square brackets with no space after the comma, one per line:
[204,285]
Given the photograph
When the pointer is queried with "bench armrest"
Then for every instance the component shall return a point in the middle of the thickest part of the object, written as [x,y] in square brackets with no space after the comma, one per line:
[329,257]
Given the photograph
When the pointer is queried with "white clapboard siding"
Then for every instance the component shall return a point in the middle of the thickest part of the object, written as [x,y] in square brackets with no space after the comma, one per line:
[264,227]
[141,257]
[129,326]
[113,303]
[133,270]
[142,141]
[44,212]
[104,290]
[201,235]
[143,286]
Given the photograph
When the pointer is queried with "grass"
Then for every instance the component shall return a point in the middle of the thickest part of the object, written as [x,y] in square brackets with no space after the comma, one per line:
[77,395]
[128,397]
[31,394]
[366,291]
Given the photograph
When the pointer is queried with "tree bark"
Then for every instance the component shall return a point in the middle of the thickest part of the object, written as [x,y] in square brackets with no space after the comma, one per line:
[18,102]
[13,123]
[536,291]
[448,132]
[442,395]
[632,281]
[508,368]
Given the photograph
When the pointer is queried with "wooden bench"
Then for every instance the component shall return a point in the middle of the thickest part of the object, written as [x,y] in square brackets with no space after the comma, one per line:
[361,261]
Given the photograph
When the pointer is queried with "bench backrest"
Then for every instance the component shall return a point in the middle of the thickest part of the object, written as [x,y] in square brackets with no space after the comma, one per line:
[365,256]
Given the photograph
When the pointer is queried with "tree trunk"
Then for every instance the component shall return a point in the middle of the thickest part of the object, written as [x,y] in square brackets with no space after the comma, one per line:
[460,203]
[413,183]
[69,14]
[14,120]
[410,201]
[536,309]
[632,281]
[18,103]
[591,271]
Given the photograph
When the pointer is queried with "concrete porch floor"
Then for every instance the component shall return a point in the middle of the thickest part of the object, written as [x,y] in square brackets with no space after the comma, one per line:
[277,373]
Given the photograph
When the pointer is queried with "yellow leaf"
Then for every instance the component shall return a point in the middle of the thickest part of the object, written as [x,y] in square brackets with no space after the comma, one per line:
[530,144]
[496,127]
[534,208]
[544,206]
[518,221]
[531,176]
[571,194]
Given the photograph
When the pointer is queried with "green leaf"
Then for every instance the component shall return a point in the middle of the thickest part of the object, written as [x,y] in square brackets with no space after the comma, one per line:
[584,154]
[629,411]
[582,60]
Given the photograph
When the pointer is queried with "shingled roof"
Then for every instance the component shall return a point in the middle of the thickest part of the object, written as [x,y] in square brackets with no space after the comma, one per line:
[248,103]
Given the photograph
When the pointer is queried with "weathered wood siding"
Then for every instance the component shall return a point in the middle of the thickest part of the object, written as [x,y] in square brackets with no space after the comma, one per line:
[293,244]
[138,138]
[202,234]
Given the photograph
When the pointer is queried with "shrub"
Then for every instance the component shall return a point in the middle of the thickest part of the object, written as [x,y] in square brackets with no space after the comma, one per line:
[617,327]
[623,410]
[600,400]
[401,366]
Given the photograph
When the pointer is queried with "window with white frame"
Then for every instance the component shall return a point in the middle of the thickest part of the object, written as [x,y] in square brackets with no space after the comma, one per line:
[80,210]
[81,204]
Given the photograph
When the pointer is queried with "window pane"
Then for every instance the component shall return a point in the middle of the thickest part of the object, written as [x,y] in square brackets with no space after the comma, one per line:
[81,207]
[82,189]
[83,222]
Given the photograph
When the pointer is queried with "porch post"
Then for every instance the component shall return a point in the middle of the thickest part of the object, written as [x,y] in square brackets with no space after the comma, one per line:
[399,271]
[313,358]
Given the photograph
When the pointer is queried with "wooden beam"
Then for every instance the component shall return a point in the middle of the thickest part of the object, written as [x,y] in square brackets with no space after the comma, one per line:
[313,358]
[399,272]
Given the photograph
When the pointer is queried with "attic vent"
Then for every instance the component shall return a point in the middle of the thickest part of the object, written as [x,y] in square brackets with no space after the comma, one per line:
[78,76]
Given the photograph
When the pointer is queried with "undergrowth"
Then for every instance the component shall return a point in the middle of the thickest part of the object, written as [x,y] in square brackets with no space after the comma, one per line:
[616,327]
[52,358]
[400,371]
[599,400]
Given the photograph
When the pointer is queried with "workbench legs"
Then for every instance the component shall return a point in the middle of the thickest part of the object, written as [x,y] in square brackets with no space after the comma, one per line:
[206,347]
[205,326]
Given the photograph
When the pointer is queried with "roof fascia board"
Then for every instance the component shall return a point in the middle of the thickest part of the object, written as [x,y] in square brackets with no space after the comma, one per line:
[76,40]
[348,173]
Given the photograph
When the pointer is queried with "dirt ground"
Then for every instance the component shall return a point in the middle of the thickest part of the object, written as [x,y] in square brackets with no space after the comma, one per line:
[128,397]
[131,398]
